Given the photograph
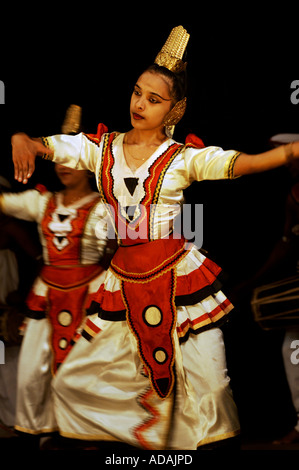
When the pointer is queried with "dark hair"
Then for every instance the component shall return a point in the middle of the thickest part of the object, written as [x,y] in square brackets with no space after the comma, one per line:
[178,80]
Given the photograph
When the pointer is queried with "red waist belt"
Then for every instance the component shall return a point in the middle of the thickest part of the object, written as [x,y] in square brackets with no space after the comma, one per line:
[64,304]
[69,277]
[148,280]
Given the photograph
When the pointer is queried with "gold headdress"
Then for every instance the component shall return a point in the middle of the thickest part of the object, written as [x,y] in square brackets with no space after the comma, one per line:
[72,120]
[171,57]
[172,52]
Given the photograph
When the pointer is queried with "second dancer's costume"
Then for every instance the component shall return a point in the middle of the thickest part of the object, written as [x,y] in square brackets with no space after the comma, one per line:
[57,303]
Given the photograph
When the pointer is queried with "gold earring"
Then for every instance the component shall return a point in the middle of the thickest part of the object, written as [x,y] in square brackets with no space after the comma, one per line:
[176,113]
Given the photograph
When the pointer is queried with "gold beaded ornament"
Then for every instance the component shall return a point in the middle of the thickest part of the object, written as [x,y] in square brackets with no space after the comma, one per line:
[176,113]
[172,52]
[72,120]
[171,57]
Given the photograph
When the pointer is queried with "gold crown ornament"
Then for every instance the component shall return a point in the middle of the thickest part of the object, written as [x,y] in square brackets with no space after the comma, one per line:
[172,52]
[171,57]
[72,120]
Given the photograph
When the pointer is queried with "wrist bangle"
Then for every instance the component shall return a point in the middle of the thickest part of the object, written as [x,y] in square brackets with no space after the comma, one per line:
[288,150]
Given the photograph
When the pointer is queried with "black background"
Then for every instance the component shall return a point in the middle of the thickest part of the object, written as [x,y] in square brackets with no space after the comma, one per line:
[241,63]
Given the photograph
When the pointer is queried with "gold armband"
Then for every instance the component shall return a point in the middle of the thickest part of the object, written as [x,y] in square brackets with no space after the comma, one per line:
[229,171]
[46,144]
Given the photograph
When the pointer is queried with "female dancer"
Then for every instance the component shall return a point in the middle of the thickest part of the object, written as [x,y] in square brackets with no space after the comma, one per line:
[71,275]
[149,368]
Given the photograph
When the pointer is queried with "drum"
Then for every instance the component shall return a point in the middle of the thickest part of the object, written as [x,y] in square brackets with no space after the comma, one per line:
[282,139]
[276,305]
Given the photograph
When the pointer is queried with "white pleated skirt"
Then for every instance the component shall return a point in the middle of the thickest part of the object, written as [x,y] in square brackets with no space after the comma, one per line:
[35,412]
[102,391]
[35,409]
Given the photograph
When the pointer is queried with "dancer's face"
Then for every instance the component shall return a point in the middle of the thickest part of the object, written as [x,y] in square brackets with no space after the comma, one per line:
[69,177]
[150,101]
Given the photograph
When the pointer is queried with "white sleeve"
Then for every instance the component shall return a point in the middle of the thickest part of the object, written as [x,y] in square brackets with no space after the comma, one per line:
[95,233]
[210,163]
[25,205]
[74,151]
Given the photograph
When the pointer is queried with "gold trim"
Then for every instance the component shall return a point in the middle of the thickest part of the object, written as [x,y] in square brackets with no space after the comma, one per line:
[229,166]
[108,437]
[172,331]
[46,141]
[219,437]
[90,437]
[35,432]
[206,322]
[90,331]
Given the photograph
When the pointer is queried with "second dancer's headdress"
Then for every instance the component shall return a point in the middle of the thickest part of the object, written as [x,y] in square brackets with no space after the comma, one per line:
[72,121]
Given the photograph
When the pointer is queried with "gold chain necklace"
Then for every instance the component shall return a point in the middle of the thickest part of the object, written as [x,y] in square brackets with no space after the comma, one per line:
[132,156]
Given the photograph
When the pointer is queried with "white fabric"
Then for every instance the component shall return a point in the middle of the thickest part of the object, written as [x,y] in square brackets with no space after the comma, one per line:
[34,399]
[99,392]
[290,356]
[194,164]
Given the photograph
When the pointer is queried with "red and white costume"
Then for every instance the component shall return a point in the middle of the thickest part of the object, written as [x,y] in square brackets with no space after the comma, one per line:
[60,295]
[149,368]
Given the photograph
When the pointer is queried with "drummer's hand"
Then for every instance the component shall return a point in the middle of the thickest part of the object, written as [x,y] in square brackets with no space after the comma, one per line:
[296,149]
[292,151]
[24,151]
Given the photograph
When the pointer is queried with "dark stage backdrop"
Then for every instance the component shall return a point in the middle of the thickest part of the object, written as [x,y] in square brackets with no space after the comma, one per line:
[241,68]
